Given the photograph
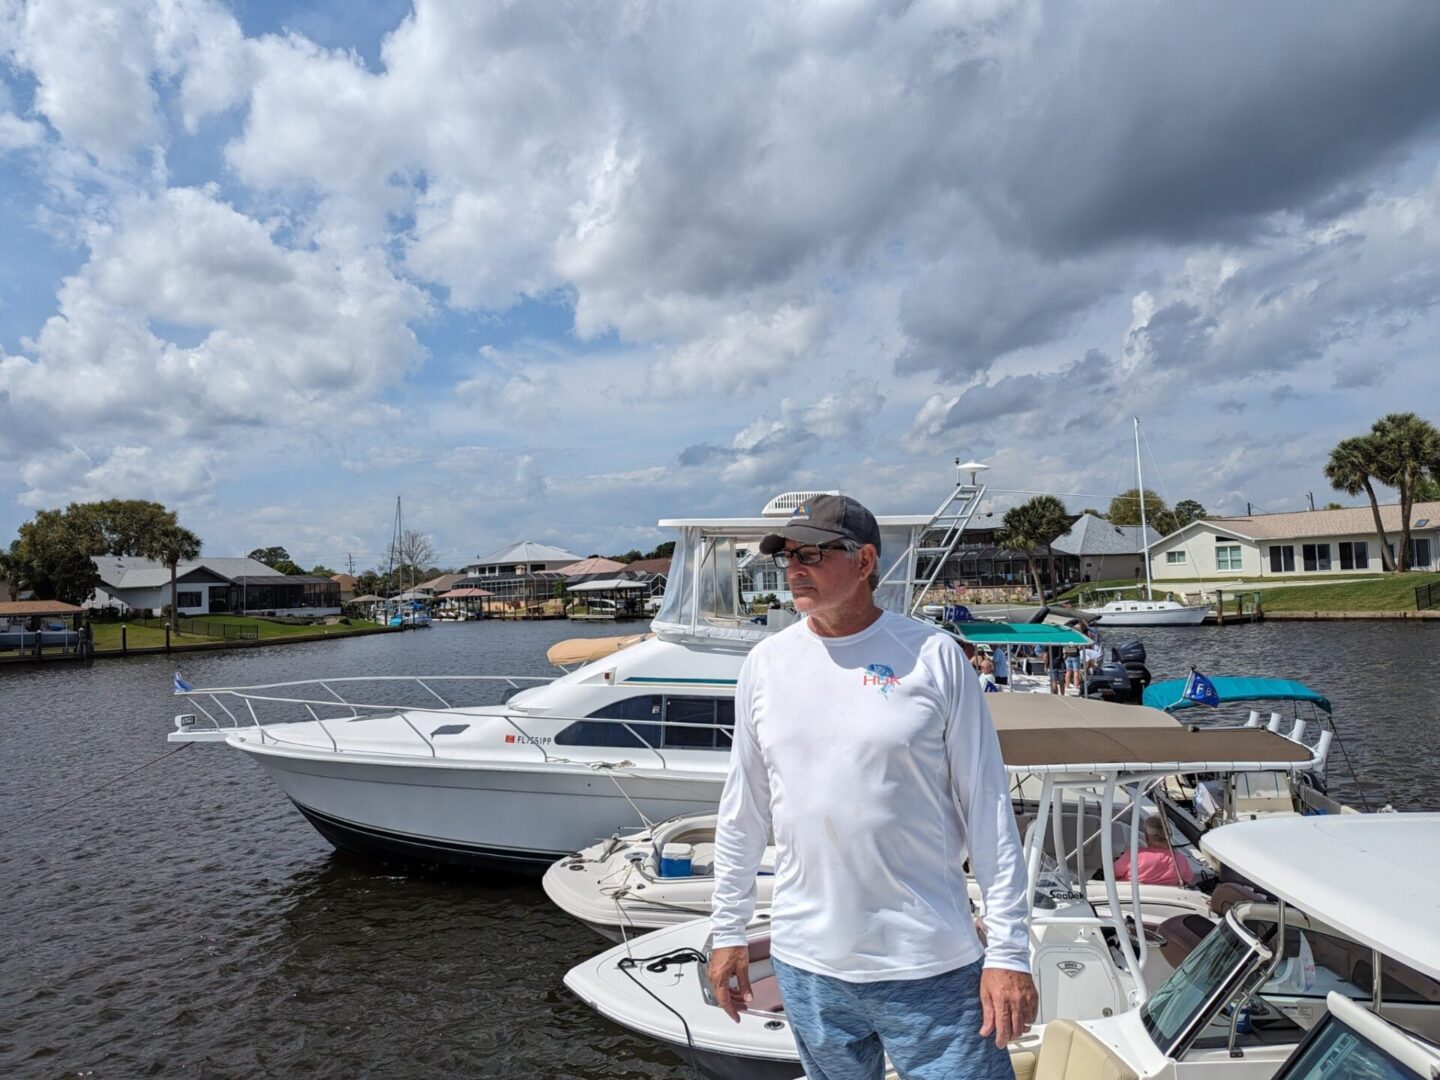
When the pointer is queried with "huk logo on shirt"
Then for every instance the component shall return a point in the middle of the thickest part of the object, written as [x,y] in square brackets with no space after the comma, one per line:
[880,676]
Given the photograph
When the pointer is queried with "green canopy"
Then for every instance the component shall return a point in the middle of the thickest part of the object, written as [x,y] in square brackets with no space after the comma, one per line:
[1167,694]
[1006,633]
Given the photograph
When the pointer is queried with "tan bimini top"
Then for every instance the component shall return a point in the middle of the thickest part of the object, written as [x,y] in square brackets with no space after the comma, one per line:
[1020,712]
[1089,749]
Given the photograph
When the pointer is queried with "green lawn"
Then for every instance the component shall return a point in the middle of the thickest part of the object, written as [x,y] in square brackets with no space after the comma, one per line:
[107,634]
[1381,592]
[1388,592]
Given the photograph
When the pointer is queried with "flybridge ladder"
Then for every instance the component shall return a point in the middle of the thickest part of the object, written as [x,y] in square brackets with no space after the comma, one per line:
[949,519]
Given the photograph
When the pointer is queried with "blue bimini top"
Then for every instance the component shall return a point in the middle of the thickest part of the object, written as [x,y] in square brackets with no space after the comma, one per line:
[1166,694]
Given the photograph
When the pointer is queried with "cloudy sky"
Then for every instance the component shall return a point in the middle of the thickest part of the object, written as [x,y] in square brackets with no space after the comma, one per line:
[557,270]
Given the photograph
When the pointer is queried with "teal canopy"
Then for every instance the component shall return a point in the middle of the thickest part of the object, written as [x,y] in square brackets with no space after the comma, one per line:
[1006,633]
[1166,694]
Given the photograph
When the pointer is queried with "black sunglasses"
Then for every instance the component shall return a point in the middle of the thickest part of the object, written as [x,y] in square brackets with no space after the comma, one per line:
[810,556]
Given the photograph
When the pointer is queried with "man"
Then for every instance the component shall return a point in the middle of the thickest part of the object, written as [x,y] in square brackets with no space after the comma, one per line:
[862,739]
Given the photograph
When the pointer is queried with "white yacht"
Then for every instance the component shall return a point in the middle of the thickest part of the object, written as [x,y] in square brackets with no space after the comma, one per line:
[1088,959]
[629,738]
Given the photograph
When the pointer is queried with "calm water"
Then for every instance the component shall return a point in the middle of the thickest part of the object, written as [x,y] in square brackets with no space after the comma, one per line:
[186,921]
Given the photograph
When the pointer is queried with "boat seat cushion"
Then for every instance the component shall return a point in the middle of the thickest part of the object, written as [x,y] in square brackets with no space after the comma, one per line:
[1070,1052]
[1180,935]
[1023,1062]
[1229,893]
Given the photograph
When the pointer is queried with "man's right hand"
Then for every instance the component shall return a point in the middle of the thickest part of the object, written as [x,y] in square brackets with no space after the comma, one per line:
[726,964]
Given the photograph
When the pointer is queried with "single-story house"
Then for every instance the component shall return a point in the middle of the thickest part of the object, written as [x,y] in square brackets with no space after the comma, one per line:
[1102,551]
[1292,545]
[209,586]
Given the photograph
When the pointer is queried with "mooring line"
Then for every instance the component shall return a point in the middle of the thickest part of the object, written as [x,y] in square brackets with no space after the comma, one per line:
[61,806]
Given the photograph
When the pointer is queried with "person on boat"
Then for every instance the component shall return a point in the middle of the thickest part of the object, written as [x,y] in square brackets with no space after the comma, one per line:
[1158,863]
[1001,659]
[862,740]
[1057,669]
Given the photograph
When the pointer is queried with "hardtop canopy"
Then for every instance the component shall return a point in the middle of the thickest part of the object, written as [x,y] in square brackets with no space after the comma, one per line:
[1167,694]
[1372,876]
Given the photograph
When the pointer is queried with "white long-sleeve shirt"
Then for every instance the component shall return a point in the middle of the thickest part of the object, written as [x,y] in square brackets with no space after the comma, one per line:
[875,760]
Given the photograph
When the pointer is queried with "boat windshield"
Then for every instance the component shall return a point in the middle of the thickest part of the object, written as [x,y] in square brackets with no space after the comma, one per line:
[1183,1004]
[1337,1052]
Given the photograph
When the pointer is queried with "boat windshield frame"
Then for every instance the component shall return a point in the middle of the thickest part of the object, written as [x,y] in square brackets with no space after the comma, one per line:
[1246,954]
[1320,1050]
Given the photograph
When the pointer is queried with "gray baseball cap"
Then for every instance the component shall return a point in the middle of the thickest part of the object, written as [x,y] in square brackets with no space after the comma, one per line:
[823,520]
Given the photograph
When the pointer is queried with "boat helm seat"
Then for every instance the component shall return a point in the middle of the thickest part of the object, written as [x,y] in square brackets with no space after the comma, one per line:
[1229,893]
[1180,934]
[1070,1052]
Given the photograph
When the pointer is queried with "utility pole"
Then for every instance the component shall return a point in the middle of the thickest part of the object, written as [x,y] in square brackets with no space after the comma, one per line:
[1311,496]
[350,563]
[1247,509]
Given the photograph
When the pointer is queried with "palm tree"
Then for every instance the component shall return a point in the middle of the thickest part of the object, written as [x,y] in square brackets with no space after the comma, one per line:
[172,545]
[1406,447]
[1032,525]
[1353,465]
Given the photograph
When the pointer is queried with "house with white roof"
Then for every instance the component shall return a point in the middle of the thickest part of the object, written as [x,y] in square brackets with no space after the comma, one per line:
[526,557]
[1292,545]
[210,586]
[1102,551]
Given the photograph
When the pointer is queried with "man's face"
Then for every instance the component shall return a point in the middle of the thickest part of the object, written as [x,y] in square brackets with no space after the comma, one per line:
[831,583]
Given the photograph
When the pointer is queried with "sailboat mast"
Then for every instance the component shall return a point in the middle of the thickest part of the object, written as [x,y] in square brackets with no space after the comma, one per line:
[1144,529]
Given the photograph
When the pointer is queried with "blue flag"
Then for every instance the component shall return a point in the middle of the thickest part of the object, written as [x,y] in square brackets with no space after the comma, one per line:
[1200,690]
[181,686]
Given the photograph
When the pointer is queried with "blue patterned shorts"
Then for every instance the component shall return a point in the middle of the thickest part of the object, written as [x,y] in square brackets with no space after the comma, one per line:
[929,1027]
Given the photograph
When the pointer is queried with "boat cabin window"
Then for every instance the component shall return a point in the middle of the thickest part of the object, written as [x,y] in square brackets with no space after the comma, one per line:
[656,721]
[717,713]
[642,728]
[1336,1052]
[1205,981]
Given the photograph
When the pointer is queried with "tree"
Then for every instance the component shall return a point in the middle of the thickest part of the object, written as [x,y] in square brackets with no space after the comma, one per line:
[663,551]
[1033,525]
[321,570]
[1352,468]
[172,545]
[1092,512]
[415,550]
[1125,508]
[55,558]
[1186,511]
[367,583]
[1406,448]
[118,526]
[1333,506]
[14,572]
[278,559]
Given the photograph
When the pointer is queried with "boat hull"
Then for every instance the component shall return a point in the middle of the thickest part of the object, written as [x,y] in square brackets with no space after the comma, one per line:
[472,817]
[1176,616]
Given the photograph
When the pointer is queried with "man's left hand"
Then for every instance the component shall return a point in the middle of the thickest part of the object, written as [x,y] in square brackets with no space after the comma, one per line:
[1009,1002]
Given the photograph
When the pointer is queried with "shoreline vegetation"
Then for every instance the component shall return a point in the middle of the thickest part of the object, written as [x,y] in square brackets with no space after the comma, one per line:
[148,636]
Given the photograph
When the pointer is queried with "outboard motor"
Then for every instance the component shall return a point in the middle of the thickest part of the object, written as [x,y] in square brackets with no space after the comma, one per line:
[1111,682]
[1131,653]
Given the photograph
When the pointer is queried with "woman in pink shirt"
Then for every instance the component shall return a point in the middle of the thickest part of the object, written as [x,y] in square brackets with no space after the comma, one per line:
[1159,864]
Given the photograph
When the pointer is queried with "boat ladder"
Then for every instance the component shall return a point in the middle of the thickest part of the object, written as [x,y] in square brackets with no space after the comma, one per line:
[932,546]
